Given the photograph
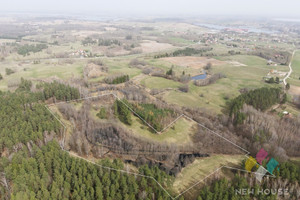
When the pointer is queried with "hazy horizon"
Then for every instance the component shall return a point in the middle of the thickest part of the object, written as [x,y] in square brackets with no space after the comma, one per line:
[253,8]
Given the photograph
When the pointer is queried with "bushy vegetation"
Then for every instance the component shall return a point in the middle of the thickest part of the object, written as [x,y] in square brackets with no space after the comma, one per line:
[108,42]
[88,41]
[122,111]
[9,71]
[59,91]
[149,112]
[25,85]
[102,113]
[26,49]
[117,79]
[152,114]
[1,77]
[262,99]
[184,52]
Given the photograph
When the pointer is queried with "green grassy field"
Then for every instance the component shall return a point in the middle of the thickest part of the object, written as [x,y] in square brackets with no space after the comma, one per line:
[214,96]
[159,83]
[179,133]
[46,69]
[202,167]
[179,40]
[294,78]
[120,66]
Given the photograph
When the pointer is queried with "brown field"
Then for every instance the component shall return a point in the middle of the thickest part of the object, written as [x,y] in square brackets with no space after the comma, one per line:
[149,46]
[86,33]
[294,90]
[192,61]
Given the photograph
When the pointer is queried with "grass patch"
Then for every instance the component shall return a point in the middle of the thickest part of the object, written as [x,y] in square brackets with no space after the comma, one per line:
[180,134]
[159,83]
[201,167]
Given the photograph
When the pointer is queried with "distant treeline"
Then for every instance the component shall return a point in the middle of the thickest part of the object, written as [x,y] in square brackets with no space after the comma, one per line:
[262,99]
[26,49]
[116,79]
[101,42]
[184,52]
[108,42]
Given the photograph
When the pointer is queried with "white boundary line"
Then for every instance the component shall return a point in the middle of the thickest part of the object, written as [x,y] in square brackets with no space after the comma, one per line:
[142,175]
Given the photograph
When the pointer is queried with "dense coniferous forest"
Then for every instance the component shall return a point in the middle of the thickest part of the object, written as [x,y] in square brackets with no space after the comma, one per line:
[261,99]
[23,120]
[290,171]
[59,91]
[51,173]
[122,111]
[225,190]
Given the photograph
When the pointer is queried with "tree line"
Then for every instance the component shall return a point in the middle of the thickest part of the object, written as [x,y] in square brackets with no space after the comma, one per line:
[184,52]
[58,90]
[261,98]
[117,79]
[26,49]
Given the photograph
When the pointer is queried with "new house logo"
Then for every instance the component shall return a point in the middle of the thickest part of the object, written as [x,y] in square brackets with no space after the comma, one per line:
[261,171]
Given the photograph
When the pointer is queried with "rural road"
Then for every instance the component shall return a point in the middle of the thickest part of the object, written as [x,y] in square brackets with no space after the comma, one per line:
[291,70]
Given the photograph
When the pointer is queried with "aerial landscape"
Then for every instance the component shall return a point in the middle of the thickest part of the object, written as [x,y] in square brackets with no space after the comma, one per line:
[149,105]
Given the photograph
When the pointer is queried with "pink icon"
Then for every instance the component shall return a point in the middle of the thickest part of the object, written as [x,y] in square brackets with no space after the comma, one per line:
[261,155]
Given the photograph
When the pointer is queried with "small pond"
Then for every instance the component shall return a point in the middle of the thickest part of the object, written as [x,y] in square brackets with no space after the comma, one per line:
[199,77]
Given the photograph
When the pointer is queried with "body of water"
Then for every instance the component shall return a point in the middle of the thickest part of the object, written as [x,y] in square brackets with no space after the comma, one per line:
[249,29]
[199,77]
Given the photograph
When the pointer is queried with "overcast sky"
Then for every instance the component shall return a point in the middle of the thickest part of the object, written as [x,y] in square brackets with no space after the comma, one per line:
[274,8]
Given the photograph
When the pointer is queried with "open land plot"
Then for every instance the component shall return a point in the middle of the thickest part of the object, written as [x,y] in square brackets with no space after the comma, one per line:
[149,46]
[294,77]
[214,96]
[289,107]
[201,167]
[192,61]
[191,65]
[121,66]
[159,83]
[45,69]
[180,133]
[179,41]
